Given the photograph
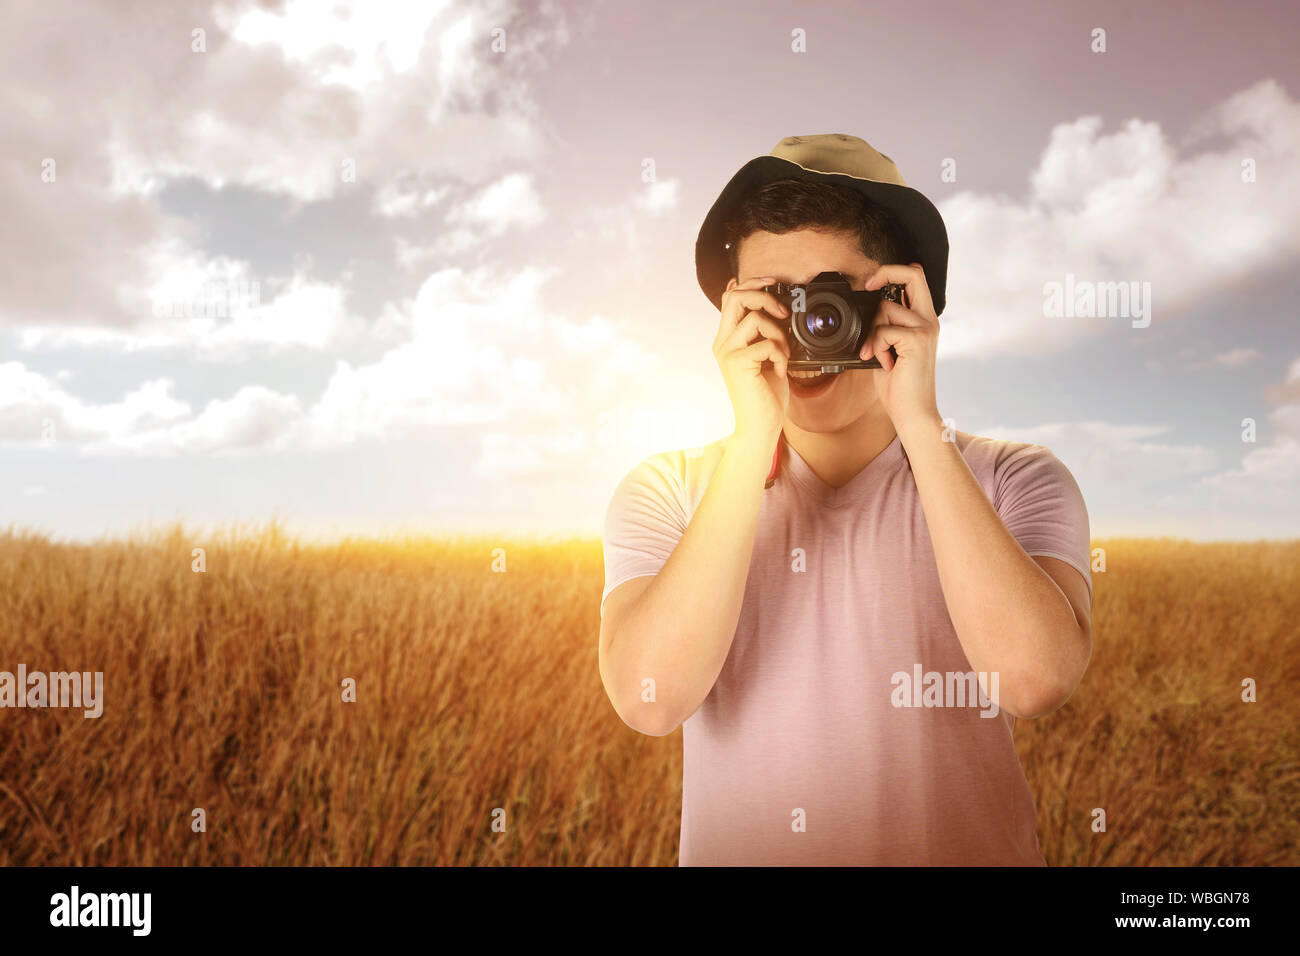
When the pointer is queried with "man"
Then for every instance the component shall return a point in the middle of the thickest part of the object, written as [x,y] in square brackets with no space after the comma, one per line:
[817,619]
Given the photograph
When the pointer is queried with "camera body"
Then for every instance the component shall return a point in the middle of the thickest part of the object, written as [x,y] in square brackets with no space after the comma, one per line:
[829,321]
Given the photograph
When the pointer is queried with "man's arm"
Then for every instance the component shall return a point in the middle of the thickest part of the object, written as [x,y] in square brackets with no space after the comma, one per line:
[677,626]
[677,629]
[1025,618]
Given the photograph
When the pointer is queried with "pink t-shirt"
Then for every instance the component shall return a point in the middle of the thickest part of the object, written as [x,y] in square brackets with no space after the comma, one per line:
[820,742]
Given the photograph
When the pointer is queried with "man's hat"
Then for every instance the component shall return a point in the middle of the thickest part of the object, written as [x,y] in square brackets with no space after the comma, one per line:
[839,160]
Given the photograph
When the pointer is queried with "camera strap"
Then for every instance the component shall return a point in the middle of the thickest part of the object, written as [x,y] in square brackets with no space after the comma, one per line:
[776,462]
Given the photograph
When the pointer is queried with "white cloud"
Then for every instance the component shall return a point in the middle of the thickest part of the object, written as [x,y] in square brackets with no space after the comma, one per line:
[214,309]
[34,410]
[31,404]
[509,203]
[1126,206]
[253,418]
[280,100]
[1105,453]
[1269,476]
[1193,358]
[657,198]
[1277,465]
[355,46]
[481,350]
[1289,389]
[402,200]
[1235,358]
[621,221]
[409,255]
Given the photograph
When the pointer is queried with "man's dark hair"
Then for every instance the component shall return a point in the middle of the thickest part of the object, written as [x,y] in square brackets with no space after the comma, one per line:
[789,204]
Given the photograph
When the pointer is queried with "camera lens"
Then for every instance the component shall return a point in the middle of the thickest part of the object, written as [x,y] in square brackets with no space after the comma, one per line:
[822,321]
[829,327]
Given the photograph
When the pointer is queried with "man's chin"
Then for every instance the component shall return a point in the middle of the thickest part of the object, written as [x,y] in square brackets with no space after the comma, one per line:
[828,413]
[820,420]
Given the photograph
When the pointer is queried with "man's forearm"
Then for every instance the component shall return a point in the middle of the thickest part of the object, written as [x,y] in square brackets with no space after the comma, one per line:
[680,630]
[1009,615]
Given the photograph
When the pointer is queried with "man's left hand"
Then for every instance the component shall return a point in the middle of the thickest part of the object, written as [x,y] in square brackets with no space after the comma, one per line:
[906,384]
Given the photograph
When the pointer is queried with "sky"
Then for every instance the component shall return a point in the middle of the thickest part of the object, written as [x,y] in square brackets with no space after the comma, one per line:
[393,267]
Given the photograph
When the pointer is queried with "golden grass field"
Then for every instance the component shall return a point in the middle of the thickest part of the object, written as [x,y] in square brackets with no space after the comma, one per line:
[478,690]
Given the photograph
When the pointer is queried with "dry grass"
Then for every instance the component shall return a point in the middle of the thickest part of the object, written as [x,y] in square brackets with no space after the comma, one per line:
[479,690]
[1157,733]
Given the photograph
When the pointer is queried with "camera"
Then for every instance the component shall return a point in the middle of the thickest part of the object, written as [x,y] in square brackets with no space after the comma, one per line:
[829,321]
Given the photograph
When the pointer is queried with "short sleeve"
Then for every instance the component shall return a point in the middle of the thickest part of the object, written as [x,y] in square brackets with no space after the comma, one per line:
[1040,503]
[645,520]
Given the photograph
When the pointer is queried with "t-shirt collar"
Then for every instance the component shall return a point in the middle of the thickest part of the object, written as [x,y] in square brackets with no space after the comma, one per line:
[857,487]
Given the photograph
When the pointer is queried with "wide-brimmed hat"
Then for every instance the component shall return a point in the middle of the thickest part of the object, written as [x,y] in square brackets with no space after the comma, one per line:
[840,160]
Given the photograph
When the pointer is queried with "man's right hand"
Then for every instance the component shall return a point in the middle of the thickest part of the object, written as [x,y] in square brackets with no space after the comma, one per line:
[752,353]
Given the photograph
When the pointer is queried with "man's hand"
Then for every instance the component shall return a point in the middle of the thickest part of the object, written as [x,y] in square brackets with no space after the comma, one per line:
[906,384]
[753,355]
